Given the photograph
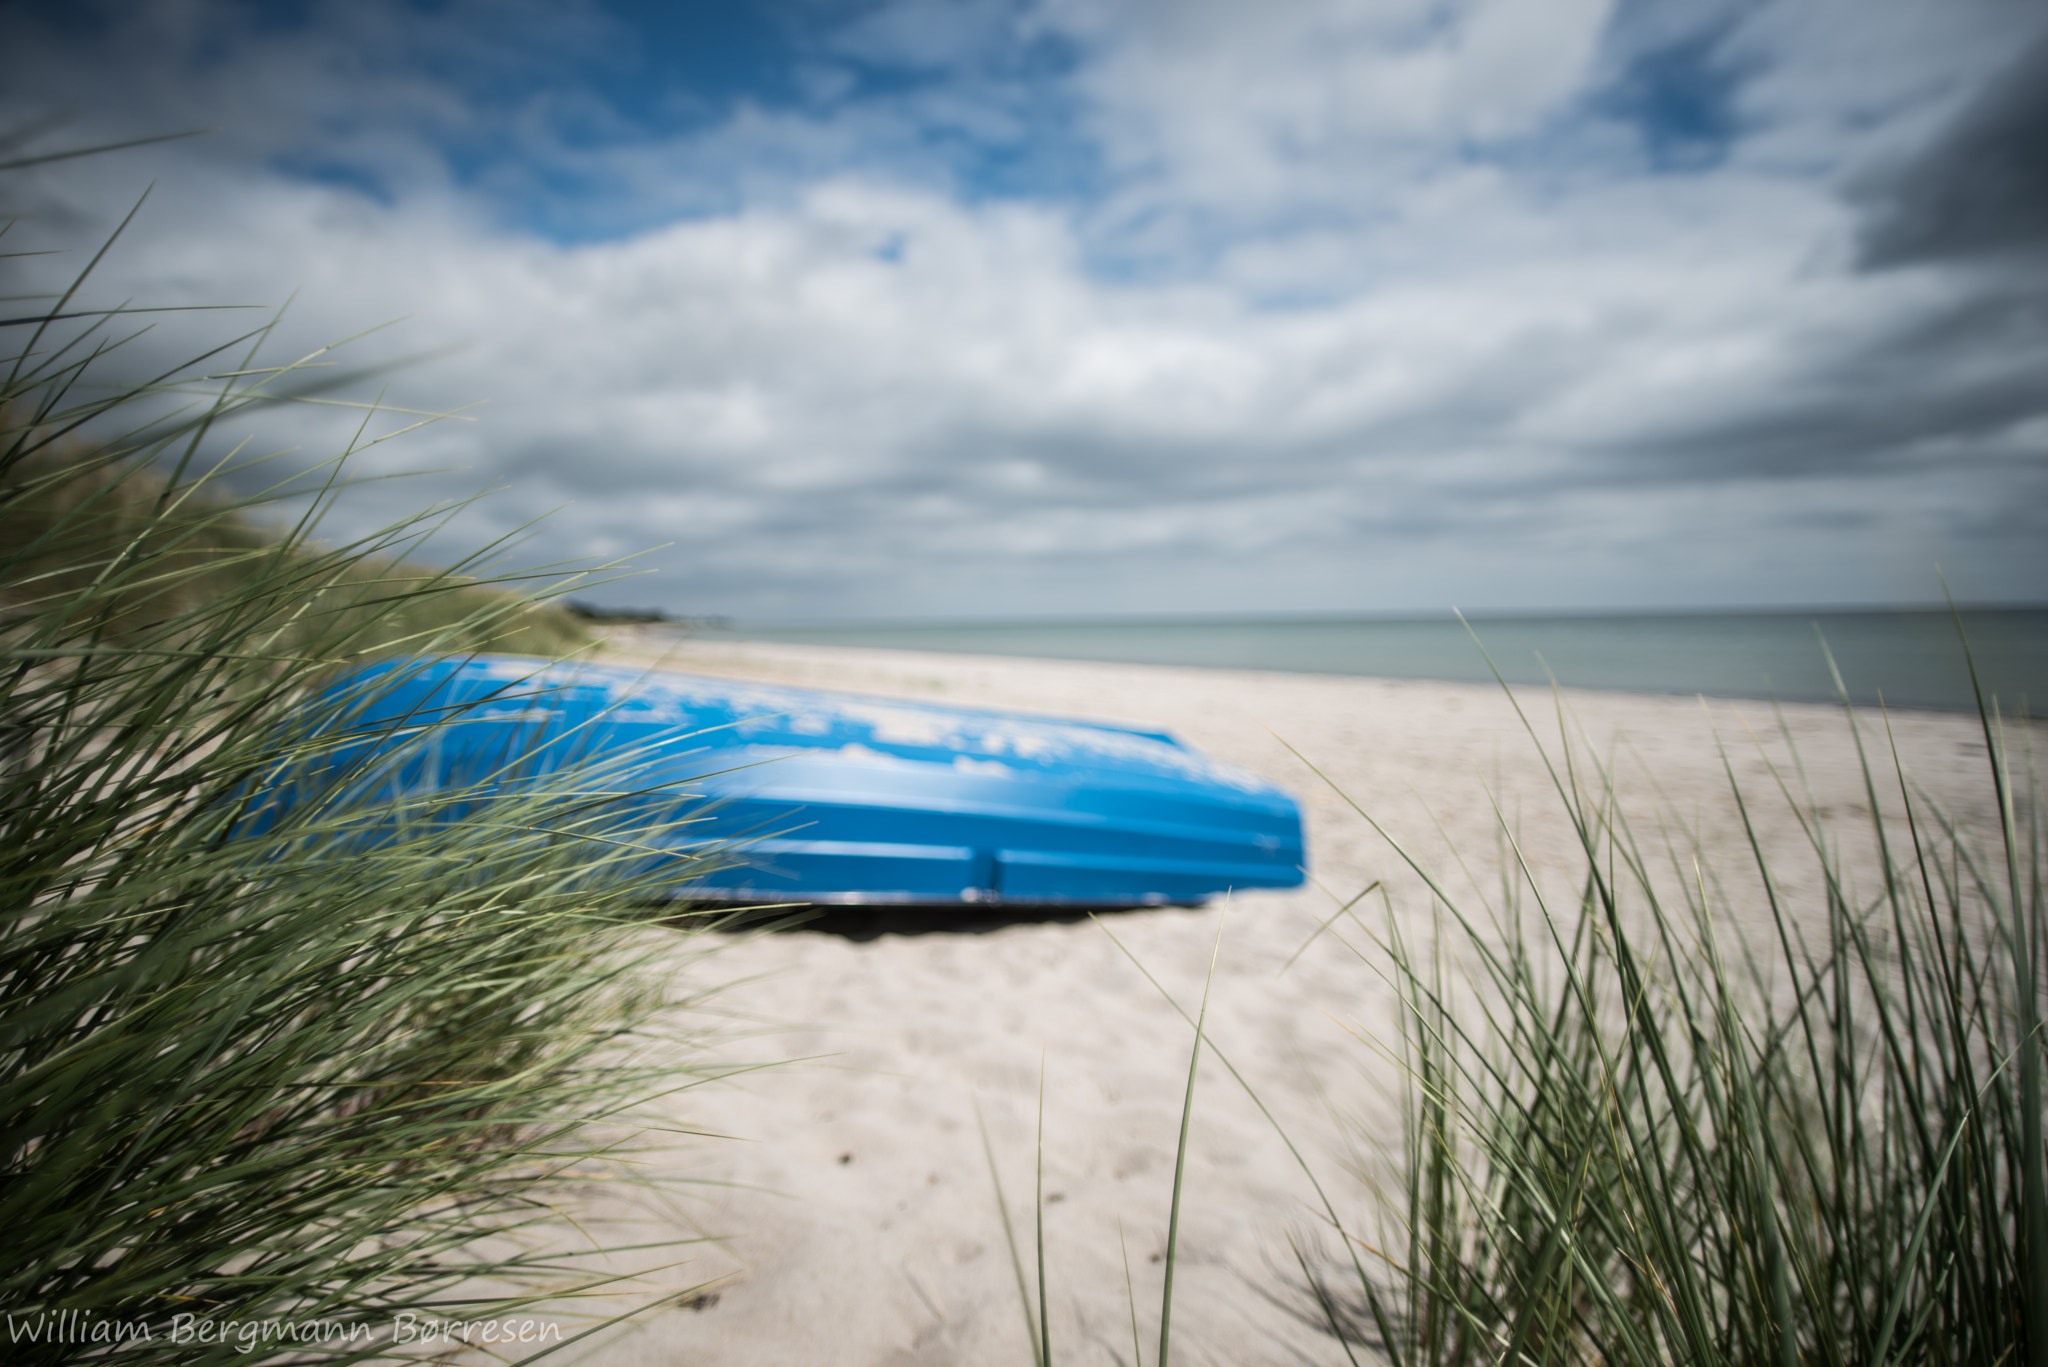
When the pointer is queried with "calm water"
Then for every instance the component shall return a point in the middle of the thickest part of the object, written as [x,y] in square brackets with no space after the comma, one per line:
[1912,657]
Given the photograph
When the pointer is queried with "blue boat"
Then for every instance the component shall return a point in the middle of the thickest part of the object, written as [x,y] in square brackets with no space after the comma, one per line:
[837,797]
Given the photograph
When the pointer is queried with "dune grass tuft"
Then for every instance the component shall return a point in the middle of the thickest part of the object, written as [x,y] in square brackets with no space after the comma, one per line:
[1635,1136]
[1636,1133]
[319,1068]
[73,511]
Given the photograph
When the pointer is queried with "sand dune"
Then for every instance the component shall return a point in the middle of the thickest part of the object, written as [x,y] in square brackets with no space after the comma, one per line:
[863,1224]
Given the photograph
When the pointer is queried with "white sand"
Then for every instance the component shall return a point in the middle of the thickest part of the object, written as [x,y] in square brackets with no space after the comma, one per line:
[863,1226]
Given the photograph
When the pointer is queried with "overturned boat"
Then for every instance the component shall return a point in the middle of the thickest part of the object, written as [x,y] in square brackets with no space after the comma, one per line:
[815,796]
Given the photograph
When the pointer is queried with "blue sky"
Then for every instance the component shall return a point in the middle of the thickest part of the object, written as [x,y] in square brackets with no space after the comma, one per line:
[1016,307]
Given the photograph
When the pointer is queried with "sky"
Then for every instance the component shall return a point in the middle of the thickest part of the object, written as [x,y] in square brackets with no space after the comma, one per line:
[952,309]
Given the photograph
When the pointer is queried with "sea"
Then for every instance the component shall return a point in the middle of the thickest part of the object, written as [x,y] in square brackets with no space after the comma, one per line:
[1909,658]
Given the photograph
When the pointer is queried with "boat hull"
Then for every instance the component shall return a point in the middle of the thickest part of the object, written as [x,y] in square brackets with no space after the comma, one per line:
[818,796]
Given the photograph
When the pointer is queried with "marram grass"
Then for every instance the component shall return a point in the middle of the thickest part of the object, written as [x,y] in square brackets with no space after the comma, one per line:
[327,1063]
[72,512]
[1634,1136]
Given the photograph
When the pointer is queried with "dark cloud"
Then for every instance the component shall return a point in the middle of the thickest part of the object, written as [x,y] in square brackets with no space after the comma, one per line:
[1980,189]
[1952,388]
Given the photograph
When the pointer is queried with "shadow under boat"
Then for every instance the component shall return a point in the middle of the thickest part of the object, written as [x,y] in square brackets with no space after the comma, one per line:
[867,921]
[864,921]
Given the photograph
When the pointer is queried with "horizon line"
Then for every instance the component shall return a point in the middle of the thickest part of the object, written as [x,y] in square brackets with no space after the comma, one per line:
[1448,614]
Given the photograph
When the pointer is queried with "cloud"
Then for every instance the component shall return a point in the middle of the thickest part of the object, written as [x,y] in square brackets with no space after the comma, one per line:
[1379,306]
[1979,189]
[1211,112]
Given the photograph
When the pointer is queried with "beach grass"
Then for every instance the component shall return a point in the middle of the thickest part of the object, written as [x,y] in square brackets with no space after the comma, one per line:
[1637,1133]
[310,1064]
[1704,1108]
[74,509]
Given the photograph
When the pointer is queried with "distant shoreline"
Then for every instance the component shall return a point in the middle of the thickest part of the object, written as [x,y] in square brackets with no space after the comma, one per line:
[1450,614]
[1906,658]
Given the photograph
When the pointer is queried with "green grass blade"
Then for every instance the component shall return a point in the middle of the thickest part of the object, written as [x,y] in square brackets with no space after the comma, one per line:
[1180,1155]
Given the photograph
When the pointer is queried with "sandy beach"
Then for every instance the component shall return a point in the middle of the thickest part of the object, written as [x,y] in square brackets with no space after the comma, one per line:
[857,1217]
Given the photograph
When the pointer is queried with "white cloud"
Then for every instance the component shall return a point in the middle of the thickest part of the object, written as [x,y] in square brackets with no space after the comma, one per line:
[1249,110]
[864,394]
